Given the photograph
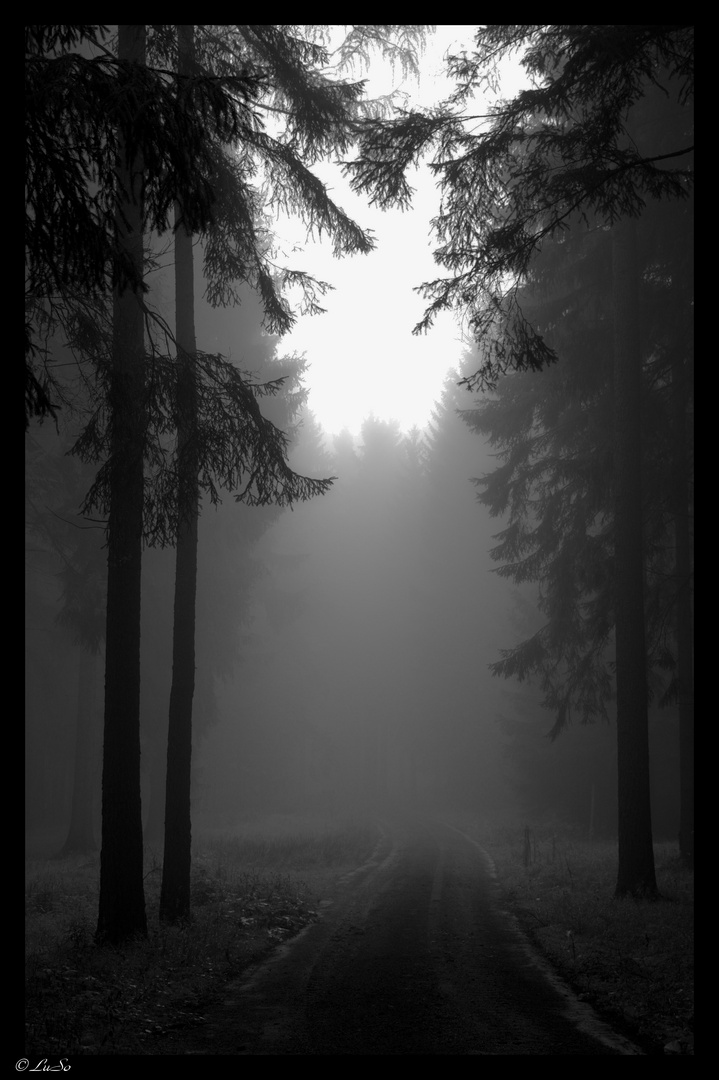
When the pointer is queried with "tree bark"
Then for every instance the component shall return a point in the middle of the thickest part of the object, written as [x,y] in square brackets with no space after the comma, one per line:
[122,900]
[636,875]
[175,891]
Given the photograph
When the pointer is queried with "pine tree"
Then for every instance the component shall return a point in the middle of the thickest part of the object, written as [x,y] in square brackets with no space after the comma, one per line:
[560,151]
[97,176]
[555,437]
[181,135]
[515,174]
[131,152]
[122,900]
[316,118]
[82,116]
[175,888]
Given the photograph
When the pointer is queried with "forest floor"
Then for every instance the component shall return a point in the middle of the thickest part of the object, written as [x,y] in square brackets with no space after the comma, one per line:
[256,887]
[632,960]
[253,888]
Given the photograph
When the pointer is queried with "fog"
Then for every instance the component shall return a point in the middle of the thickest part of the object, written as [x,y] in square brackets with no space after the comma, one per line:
[366,679]
[343,646]
[342,655]
[343,652]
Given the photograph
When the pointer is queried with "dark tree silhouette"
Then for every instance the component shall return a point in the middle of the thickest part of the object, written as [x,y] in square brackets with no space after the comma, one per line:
[561,150]
[141,141]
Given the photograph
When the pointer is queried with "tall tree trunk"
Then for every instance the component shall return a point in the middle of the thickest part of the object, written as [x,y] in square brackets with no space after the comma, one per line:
[80,835]
[122,899]
[636,876]
[175,892]
[684,621]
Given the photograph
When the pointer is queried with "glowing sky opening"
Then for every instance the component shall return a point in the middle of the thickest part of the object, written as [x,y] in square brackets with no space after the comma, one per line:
[363,356]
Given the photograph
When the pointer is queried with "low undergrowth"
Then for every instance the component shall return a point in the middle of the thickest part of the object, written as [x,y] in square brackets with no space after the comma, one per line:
[633,960]
[251,889]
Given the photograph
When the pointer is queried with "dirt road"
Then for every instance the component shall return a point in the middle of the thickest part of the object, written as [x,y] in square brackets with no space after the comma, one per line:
[414,956]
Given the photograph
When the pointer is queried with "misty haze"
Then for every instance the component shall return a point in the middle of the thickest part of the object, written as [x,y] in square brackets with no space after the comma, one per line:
[359,664]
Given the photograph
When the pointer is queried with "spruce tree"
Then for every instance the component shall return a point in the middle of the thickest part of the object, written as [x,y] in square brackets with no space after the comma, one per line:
[559,152]
[175,889]
[105,168]
[316,119]
[121,911]
[556,479]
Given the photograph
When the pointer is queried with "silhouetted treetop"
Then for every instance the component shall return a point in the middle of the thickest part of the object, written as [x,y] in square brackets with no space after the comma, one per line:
[517,172]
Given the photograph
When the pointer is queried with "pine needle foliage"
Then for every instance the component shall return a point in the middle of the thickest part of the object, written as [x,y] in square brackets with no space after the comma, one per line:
[554,482]
[551,487]
[237,448]
[234,142]
[79,111]
[515,173]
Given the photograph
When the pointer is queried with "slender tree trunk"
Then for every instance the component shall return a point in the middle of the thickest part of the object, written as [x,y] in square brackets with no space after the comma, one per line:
[635,875]
[80,835]
[684,622]
[413,786]
[122,899]
[175,892]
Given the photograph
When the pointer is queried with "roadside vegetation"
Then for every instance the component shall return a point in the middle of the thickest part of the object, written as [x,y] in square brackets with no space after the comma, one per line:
[632,960]
[259,884]
[252,889]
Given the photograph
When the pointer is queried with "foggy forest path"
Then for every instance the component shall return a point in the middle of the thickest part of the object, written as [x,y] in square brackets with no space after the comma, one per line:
[413,957]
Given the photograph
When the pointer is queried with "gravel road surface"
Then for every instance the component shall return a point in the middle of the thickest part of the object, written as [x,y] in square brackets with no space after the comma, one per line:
[413,956]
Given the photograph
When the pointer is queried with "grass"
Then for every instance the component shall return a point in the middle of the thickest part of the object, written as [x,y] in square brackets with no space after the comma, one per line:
[251,890]
[263,882]
[633,960]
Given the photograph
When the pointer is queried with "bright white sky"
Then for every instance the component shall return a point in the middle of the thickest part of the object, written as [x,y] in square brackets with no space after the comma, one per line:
[362,354]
